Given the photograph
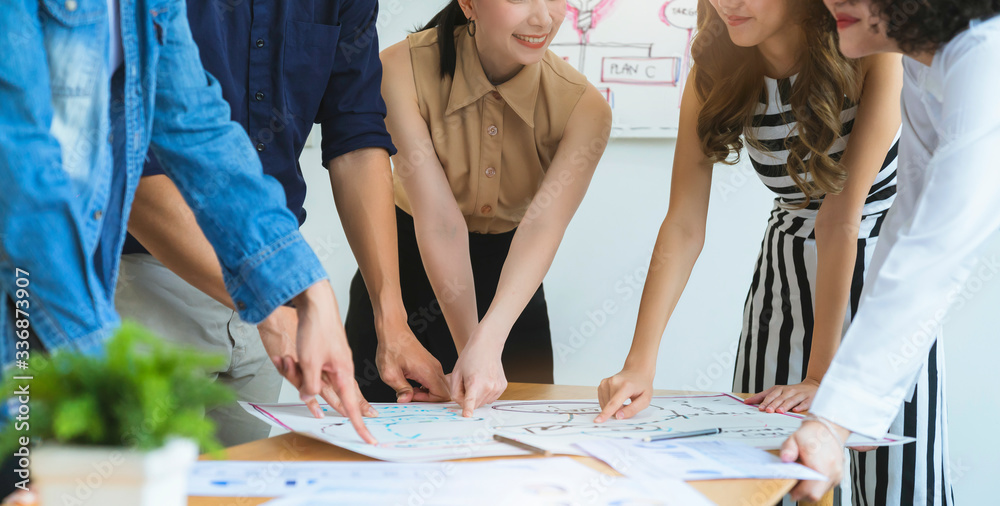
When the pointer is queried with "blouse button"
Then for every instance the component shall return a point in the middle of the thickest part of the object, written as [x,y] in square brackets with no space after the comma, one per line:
[487,209]
[71,5]
[492,130]
[490,172]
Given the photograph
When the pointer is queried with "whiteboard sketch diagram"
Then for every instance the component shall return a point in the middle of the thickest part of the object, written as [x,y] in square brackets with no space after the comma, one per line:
[637,53]
[427,432]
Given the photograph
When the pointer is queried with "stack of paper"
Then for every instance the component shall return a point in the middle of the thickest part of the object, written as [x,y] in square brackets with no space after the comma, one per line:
[694,460]
[499,482]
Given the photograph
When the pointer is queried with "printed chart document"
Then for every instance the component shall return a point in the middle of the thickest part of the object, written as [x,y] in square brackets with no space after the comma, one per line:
[501,482]
[429,432]
[694,460]
[280,478]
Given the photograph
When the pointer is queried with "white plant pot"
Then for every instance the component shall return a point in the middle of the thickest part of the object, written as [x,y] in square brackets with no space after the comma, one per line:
[111,476]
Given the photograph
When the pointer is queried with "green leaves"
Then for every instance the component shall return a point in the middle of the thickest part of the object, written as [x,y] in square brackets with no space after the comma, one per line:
[142,392]
[78,418]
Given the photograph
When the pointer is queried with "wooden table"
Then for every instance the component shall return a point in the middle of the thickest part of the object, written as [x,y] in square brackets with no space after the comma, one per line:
[293,447]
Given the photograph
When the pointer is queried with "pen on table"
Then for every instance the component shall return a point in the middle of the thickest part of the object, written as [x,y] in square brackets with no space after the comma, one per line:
[524,446]
[678,435]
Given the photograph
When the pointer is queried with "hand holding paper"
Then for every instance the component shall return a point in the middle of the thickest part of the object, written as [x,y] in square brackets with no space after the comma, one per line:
[814,445]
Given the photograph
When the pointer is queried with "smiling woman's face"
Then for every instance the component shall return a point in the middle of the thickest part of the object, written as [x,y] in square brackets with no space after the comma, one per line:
[517,31]
[861,33]
[751,22]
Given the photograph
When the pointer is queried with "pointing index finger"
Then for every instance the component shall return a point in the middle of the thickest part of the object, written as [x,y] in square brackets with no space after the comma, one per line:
[349,401]
[614,404]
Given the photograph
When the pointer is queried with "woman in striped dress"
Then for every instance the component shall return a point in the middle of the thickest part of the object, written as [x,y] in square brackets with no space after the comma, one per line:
[821,133]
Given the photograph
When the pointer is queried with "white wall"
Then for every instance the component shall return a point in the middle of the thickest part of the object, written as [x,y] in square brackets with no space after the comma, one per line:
[602,262]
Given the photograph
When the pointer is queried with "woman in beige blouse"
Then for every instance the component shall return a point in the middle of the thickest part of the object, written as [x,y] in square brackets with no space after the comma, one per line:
[498,139]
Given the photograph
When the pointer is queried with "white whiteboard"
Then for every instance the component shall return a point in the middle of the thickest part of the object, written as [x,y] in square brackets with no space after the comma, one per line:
[637,53]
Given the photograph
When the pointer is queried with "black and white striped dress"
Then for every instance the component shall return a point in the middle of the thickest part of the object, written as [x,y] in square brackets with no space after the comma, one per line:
[778,315]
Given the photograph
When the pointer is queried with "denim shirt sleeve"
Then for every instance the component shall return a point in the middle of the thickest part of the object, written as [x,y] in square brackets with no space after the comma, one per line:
[42,220]
[352,113]
[265,260]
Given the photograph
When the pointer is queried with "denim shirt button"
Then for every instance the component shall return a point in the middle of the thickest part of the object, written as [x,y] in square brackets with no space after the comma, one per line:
[260,42]
[98,214]
[259,96]
[241,305]
[260,146]
[71,5]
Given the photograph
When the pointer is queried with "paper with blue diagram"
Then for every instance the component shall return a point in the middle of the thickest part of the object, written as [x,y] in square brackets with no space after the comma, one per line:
[429,432]
[514,482]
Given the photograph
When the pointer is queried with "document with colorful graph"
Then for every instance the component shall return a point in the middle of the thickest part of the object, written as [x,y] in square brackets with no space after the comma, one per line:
[428,432]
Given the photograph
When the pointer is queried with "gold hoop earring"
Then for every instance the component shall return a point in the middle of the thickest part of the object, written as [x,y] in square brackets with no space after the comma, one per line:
[471,27]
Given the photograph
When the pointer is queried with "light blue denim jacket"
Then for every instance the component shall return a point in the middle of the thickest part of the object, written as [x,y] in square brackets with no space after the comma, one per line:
[72,144]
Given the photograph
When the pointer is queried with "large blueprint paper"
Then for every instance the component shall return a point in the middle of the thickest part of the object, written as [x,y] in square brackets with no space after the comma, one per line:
[427,432]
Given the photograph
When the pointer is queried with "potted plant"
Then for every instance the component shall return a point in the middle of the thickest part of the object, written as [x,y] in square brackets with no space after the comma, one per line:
[119,429]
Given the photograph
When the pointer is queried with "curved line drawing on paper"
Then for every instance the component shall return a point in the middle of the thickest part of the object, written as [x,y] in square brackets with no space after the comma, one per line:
[393,418]
[555,408]
[550,408]
[437,431]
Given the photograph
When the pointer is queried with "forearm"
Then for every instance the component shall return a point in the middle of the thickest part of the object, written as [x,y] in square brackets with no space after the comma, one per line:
[164,224]
[531,252]
[674,256]
[837,247]
[444,251]
[362,190]
[545,220]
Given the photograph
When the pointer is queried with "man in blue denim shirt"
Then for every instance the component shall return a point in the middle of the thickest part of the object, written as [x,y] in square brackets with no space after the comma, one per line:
[69,170]
[282,66]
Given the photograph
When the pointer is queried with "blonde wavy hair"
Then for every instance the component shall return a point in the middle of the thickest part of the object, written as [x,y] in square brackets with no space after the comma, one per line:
[729,82]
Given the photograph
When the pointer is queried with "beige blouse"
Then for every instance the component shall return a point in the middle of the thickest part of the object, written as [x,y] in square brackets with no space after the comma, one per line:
[494,142]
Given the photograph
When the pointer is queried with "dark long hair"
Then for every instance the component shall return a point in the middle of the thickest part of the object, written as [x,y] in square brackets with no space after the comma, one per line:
[445,22]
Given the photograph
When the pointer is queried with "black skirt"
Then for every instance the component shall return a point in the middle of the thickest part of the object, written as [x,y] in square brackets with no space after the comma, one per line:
[527,354]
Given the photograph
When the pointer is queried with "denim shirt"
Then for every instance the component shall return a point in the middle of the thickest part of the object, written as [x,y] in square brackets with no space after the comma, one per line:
[73,139]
